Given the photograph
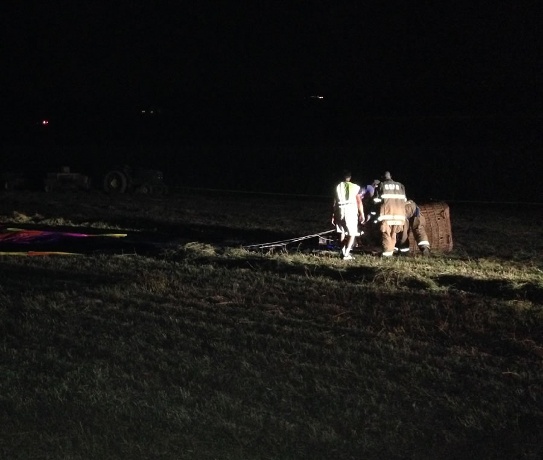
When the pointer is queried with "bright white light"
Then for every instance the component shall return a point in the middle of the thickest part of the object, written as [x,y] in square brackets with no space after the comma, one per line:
[45,122]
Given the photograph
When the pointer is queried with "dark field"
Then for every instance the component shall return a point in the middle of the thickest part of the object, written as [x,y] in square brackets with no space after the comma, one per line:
[201,349]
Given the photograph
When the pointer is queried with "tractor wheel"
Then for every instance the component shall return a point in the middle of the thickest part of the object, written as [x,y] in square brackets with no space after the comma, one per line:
[115,182]
[145,189]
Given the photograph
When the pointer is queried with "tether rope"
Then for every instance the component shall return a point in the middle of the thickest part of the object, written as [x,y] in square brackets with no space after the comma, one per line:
[285,242]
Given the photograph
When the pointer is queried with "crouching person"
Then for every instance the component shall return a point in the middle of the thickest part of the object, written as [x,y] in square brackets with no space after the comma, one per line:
[415,223]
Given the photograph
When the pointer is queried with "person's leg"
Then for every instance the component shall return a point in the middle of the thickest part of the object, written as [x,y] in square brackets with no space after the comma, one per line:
[340,229]
[387,240]
[343,242]
[351,224]
[387,243]
[420,235]
[402,238]
[349,246]
[394,235]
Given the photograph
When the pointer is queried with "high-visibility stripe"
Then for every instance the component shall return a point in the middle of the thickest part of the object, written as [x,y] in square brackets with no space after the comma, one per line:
[393,196]
[392,217]
[424,243]
[394,222]
[388,254]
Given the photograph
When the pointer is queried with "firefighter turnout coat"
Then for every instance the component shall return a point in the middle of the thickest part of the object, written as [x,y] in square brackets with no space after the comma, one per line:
[392,207]
[391,213]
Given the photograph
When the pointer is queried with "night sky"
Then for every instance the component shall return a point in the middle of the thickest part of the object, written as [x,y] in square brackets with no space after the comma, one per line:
[414,84]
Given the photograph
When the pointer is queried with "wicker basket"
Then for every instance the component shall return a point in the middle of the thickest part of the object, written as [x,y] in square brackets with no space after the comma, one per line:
[438,227]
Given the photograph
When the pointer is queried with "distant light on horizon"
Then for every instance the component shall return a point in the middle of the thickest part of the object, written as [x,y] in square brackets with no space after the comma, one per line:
[45,122]
[150,111]
[316,96]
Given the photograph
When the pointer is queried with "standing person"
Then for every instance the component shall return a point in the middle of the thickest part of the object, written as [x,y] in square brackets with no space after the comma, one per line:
[415,223]
[347,213]
[367,195]
[391,212]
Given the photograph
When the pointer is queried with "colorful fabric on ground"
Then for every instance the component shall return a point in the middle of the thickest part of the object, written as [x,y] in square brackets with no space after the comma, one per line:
[25,236]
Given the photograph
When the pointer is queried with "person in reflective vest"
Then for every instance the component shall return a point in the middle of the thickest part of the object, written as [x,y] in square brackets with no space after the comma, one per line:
[347,213]
[415,223]
[391,212]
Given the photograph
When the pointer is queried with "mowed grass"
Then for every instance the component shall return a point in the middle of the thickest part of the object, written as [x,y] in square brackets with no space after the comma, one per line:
[207,350]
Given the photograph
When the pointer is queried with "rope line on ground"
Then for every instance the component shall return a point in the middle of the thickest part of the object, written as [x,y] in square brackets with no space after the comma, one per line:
[285,242]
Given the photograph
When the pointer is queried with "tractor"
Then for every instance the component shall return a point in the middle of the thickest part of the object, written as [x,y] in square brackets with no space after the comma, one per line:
[128,180]
[65,180]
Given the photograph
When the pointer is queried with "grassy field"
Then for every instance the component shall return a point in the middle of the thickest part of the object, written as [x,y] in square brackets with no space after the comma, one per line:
[206,350]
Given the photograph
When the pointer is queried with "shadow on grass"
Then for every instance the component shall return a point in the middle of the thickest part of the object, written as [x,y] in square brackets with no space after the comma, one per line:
[349,274]
[341,272]
[499,289]
[19,279]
